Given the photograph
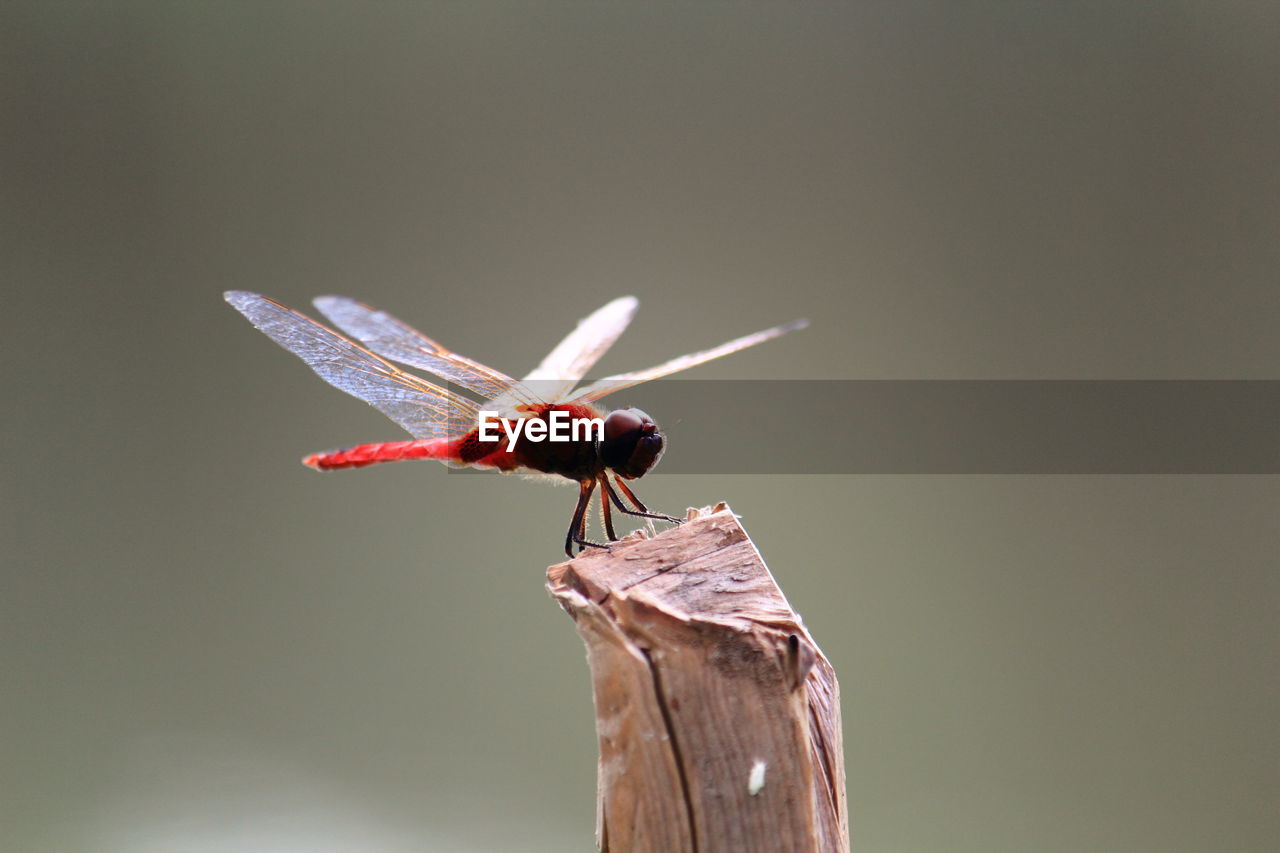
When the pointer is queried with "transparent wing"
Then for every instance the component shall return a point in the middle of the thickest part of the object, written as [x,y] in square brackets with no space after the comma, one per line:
[424,409]
[625,380]
[398,341]
[581,349]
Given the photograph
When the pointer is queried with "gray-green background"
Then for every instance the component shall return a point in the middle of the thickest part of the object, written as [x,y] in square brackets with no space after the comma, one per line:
[206,647]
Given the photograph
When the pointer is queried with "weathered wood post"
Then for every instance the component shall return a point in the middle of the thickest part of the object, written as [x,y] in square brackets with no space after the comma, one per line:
[718,717]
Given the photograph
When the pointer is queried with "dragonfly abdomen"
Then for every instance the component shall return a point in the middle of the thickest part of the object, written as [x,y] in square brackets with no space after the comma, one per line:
[387,451]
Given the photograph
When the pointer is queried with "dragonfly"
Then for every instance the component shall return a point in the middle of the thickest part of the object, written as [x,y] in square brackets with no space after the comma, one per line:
[449,426]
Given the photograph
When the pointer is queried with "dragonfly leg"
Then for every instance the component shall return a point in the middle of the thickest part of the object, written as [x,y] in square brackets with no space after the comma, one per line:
[578,527]
[643,510]
[605,512]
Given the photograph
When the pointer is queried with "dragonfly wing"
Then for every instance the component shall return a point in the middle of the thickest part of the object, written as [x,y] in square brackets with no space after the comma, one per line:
[424,409]
[398,341]
[625,380]
[581,349]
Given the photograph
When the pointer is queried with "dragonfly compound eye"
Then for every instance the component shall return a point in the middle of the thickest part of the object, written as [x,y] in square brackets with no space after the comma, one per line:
[632,443]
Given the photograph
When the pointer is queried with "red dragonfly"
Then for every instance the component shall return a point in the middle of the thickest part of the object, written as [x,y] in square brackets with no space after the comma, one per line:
[446,425]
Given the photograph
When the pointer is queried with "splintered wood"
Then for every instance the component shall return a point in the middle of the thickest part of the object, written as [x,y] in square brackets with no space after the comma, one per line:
[718,717]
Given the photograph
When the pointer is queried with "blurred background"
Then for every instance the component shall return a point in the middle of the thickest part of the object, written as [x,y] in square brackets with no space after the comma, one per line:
[207,647]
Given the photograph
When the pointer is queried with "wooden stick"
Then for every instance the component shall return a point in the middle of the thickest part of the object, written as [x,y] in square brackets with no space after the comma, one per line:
[718,717]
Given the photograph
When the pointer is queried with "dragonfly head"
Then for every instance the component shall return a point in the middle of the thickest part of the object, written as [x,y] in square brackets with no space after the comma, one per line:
[632,443]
